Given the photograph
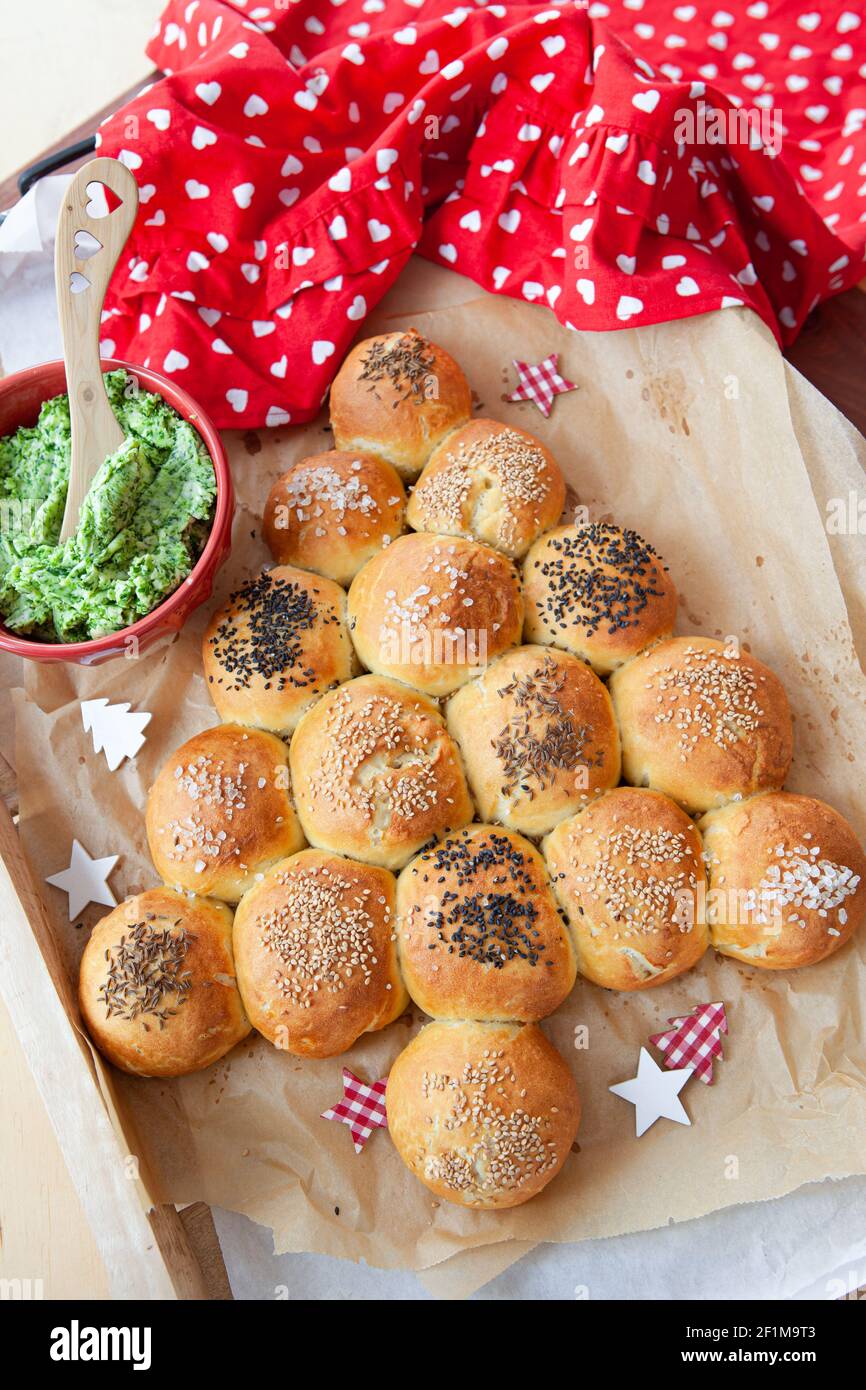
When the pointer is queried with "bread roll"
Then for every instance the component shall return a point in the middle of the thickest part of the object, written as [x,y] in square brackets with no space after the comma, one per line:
[491,481]
[702,722]
[537,736]
[376,774]
[398,396]
[598,591]
[479,932]
[316,954]
[485,1114]
[432,611]
[629,874]
[221,811]
[787,880]
[332,512]
[157,984]
[276,646]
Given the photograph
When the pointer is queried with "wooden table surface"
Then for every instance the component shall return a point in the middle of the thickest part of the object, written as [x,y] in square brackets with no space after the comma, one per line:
[43,1233]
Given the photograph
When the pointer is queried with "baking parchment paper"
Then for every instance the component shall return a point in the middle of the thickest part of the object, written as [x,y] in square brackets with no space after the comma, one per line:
[686,432]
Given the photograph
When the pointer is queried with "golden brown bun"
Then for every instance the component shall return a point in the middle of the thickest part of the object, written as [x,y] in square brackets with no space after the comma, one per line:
[702,722]
[479,932]
[331,512]
[483,1113]
[221,811]
[787,880]
[491,481]
[376,774]
[629,874]
[398,396]
[277,645]
[316,954]
[432,611]
[157,984]
[537,736]
[598,591]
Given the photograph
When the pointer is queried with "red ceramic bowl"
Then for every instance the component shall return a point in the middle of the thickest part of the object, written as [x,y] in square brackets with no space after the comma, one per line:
[21,395]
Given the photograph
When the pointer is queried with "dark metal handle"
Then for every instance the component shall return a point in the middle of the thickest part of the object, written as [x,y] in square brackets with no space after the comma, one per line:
[51,162]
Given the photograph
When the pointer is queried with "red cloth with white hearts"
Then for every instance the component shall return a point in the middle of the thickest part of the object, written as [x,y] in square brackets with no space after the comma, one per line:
[298,153]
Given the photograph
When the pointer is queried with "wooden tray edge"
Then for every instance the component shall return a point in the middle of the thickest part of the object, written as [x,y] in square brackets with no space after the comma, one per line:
[147,1255]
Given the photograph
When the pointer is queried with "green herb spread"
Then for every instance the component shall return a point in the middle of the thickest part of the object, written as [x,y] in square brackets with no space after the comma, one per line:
[142,525]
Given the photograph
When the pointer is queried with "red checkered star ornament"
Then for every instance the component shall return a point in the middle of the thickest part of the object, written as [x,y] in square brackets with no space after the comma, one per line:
[540,382]
[362,1107]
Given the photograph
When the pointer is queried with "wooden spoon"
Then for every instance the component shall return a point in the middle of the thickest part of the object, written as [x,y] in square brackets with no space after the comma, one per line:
[86,251]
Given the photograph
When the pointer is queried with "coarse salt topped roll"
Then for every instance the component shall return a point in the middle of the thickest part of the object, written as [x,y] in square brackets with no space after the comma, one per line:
[434,610]
[376,773]
[332,512]
[221,811]
[787,880]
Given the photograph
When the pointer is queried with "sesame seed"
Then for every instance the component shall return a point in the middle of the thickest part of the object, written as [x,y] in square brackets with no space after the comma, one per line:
[322,933]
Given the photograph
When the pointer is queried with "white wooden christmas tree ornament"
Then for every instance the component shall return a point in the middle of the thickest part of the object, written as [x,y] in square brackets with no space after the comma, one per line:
[116,730]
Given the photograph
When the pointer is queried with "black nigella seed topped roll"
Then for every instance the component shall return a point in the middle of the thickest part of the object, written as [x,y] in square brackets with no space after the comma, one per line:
[599,591]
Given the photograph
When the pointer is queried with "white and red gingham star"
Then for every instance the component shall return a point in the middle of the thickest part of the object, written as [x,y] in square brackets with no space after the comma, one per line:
[362,1107]
[688,1048]
[540,382]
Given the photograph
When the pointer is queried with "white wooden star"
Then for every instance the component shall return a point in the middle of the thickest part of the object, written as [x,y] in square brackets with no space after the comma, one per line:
[86,880]
[654,1093]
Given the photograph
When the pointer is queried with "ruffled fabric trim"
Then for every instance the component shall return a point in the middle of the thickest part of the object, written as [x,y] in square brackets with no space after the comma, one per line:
[292,160]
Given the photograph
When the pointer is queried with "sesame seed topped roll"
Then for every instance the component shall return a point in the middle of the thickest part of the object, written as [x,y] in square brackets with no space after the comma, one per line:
[479,932]
[157,984]
[484,1114]
[491,481]
[316,953]
[538,738]
[277,645]
[598,591]
[376,774]
[432,611]
[629,873]
[221,811]
[332,512]
[787,880]
[702,722]
[398,396]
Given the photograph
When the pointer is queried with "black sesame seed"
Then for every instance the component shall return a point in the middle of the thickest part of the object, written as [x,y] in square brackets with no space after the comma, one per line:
[611,600]
[277,611]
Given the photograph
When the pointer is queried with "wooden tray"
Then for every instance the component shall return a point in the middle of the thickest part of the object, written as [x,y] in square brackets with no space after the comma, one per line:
[154,1254]
[162,1253]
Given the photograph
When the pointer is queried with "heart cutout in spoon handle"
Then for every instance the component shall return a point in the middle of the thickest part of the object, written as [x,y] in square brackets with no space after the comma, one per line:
[81,276]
